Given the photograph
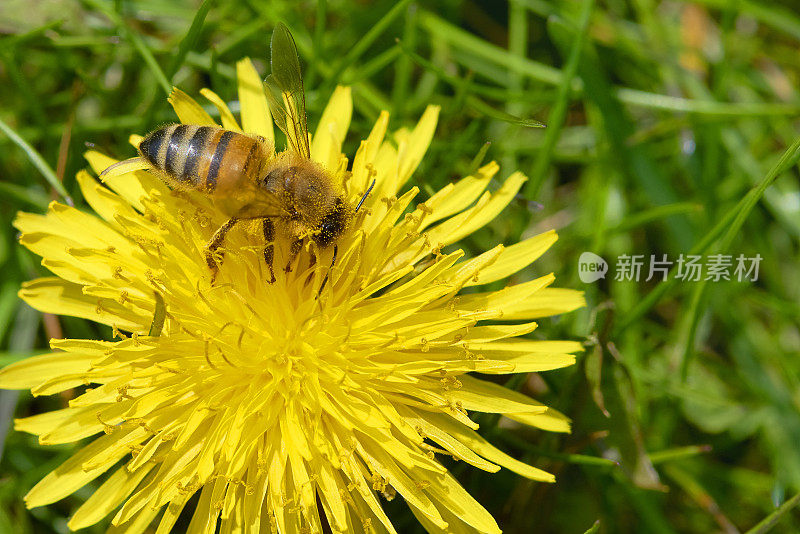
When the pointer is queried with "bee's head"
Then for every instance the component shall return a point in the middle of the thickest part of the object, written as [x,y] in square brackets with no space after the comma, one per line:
[333,224]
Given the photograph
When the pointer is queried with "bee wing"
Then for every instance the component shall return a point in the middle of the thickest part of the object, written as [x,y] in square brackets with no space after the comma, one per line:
[285,90]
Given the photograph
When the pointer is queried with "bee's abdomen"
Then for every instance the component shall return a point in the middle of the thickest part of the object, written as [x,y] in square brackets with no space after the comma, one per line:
[203,157]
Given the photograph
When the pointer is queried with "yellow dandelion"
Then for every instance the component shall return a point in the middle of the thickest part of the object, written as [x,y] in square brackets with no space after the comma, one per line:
[273,400]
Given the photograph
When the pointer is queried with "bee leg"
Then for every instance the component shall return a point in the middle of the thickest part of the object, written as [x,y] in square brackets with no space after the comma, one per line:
[294,250]
[214,243]
[269,252]
[333,262]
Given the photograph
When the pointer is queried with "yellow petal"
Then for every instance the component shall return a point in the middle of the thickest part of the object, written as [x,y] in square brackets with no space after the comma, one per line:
[36,370]
[477,443]
[474,218]
[255,114]
[326,147]
[144,495]
[127,440]
[228,120]
[70,476]
[528,356]
[528,346]
[189,111]
[105,203]
[60,383]
[413,145]
[363,170]
[382,463]
[530,363]
[455,525]
[550,420]
[385,170]
[422,281]
[330,492]
[58,258]
[495,304]
[454,198]
[135,140]
[107,497]
[71,223]
[455,499]
[129,185]
[463,224]
[494,332]
[53,295]
[71,424]
[366,504]
[307,495]
[488,397]
[515,258]
[138,523]
[172,513]
[545,303]
[454,446]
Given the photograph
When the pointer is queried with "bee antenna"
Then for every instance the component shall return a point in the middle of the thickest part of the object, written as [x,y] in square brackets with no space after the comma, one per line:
[365,195]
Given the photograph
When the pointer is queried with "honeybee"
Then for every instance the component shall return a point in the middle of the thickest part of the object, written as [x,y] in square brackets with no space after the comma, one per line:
[245,178]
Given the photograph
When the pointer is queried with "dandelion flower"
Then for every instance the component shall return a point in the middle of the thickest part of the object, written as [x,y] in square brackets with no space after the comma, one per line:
[285,409]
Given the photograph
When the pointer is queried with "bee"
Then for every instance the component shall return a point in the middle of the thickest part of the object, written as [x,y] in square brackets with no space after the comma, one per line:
[249,182]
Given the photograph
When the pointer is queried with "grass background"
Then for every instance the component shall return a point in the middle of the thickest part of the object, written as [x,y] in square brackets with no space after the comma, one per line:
[667,121]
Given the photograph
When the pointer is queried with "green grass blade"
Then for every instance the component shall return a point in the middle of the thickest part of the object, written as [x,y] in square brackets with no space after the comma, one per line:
[483,108]
[643,218]
[403,66]
[555,121]
[678,453]
[190,40]
[37,160]
[772,519]
[460,38]
[365,42]
[693,319]
[137,43]
[35,197]
[578,459]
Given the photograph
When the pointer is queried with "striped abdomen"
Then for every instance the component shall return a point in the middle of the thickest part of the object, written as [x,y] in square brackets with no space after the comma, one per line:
[205,157]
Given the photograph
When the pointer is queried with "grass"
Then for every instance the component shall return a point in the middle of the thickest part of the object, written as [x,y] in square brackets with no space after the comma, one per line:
[672,129]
